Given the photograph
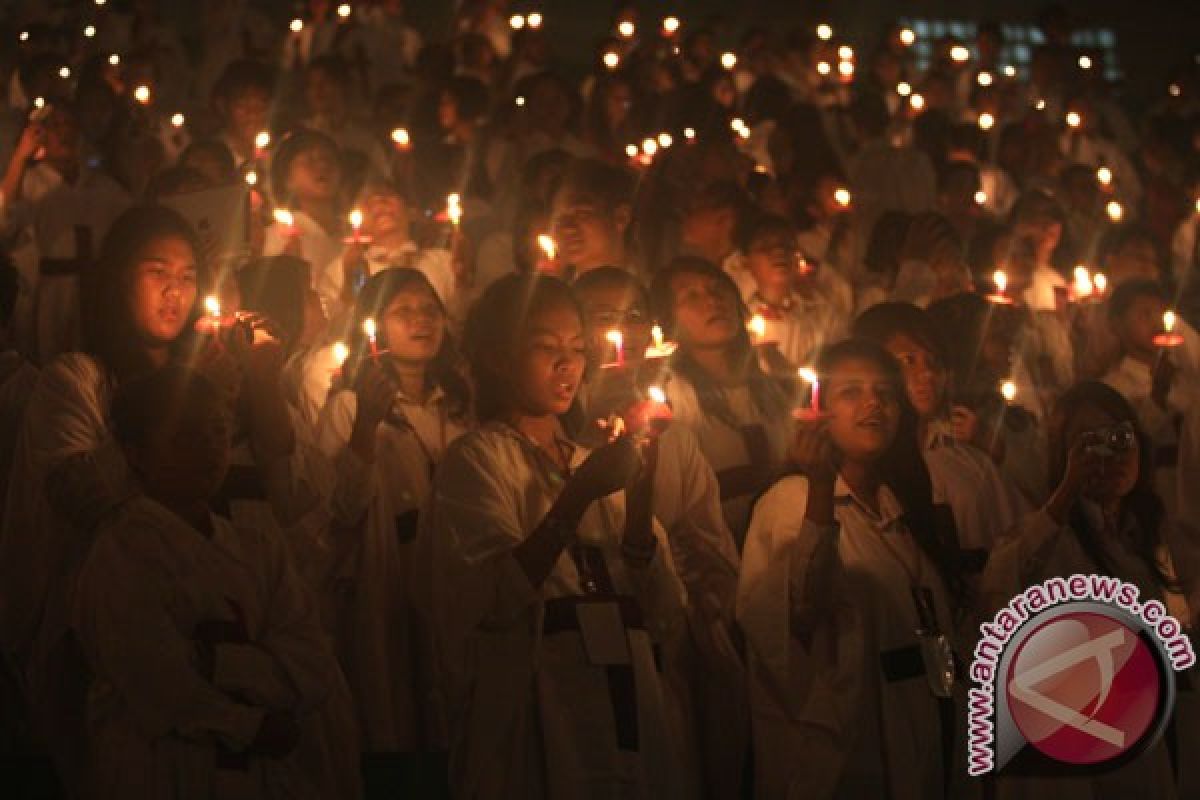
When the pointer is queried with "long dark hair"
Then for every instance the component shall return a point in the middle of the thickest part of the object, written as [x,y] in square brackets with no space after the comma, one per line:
[107,327]
[493,332]
[1142,506]
[444,371]
[902,467]
[769,399]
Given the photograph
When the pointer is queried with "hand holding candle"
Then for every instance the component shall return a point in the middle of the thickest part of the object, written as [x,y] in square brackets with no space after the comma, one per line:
[813,411]
[370,331]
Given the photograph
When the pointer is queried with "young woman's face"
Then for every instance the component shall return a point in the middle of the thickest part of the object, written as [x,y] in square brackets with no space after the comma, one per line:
[924,376]
[163,289]
[324,96]
[1120,472]
[315,174]
[588,235]
[864,409]
[615,308]
[551,354]
[705,309]
[414,325]
[1140,324]
[248,112]
[385,213]
[771,259]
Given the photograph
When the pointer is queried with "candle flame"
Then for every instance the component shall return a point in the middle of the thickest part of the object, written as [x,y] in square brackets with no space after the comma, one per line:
[670,25]
[114,59]
[657,394]
[548,245]
[657,334]
[612,59]
[981,198]
[808,375]
[845,52]
[907,37]
[251,178]
[841,196]
[1115,210]
[904,88]
[534,20]
[369,328]
[649,146]
[728,60]
[284,217]
[177,120]
[1001,280]
[631,150]
[262,140]
[1073,119]
[917,102]
[212,305]
[1008,390]
[400,137]
[690,133]
[615,337]
[959,54]
[1168,321]
[356,219]
[626,30]
[758,326]
[454,207]
[824,31]
[1104,175]
[1083,281]
[823,68]
[142,94]
[340,353]
[984,79]
[296,25]
[986,121]
[665,140]
[516,22]
[344,10]
[1100,282]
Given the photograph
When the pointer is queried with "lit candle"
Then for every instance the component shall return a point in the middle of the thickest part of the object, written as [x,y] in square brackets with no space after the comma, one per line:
[516,22]
[89,31]
[917,102]
[114,60]
[356,221]
[1083,283]
[1040,104]
[1114,210]
[758,328]
[213,306]
[401,138]
[981,198]
[534,20]
[262,140]
[369,330]
[611,59]
[984,79]
[728,60]
[1104,176]
[64,72]
[1085,62]
[690,135]
[841,196]
[142,95]
[809,376]
[845,52]
[1008,390]
[454,209]
[24,37]
[344,11]
[670,25]
[548,245]
[1000,280]
[904,88]
[959,54]
[657,394]
[823,68]
[177,120]
[287,220]
[617,340]
[251,178]
[1168,337]
[1073,118]
[656,333]
[649,147]
[986,121]
[846,69]
[665,140]
[907,37]
[1174,90]
[1100,282]
[659,348]
[296,25]
[824,32]
[631,150]
[1010,71]
[626,29]
[340,353]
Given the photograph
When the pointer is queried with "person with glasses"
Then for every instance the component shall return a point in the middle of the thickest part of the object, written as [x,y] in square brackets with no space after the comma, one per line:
[1104,517]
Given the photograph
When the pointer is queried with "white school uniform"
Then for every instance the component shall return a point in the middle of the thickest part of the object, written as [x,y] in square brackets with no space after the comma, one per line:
[155,722]
[317,246]
[741,474]
[530,715]
[434,263]
[1038,549]
[382,645]
[820,607]
[984,503]
[802,326]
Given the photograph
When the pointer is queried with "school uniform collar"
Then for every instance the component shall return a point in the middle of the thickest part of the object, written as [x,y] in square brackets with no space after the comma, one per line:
[890,510]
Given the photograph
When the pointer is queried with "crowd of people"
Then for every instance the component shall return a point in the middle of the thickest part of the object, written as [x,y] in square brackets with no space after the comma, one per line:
[390,412]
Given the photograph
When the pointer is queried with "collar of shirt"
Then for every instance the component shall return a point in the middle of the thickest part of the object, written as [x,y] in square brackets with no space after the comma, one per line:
[939,433]
[391,255]
[575,453]
[435,398]
[890,511]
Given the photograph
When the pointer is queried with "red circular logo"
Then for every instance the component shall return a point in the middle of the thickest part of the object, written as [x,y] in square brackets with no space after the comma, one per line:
[1083,688]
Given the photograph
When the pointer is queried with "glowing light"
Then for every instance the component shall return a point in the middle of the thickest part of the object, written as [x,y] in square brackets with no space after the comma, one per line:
[516,22]
[841,196]
[824,32]
[1104,176]
[1073,119]
[665,140]
[626,29]
[284,217]
[823,68]
[1085,62]
[907,37]
[1010,71]
[344,11]
[64,72]
[1168,321]
[213,306]
[631,150]
[846,68]
[690,134]
[612,60]
[904,88]
[340,354]
[262,140]
[917,102]
[520,101]
[670,25]
[534,20]
[356,219]
[1008,390]
[251,178]
[1000,280]
[24,37]
[959,54]
[807,374]
[984,79]
[114,59]
[757,327]
[1083,282]
[369,329]
[657,394]
[39,102]
[1040,105]
[845,52]
[548,245]
[649,146]
[1100,282]
[1174,90]
[89,31]
[400,137]
[1114,210]
[142,94]
[981,198]
[656,333]
[296,25]
[728,60]
[986,121]
[454,208]
[177,120]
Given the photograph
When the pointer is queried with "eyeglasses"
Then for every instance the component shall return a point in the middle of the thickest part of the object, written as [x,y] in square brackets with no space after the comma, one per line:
[1110,441]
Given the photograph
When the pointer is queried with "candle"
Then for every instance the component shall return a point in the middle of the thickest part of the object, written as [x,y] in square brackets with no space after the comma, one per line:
[1100,282]
[986,121]
[344,11]
[758,328]
[454,208]
[611,59]
[142,95]
[656,333]
[981,198]
[516,22]
[1104,176]
[824,32]
[1083,283]
[670,25]
[262,140]
[959,54]
[846,69]
[659,348]
[64,72]
[356,236]
[649,147]
[841,196]
[401,138]
[984,79]
[656,394]
[1168,337]
[1000,280]
[534,20]
[287,220]
[213,306]
[369,330]
[626,29]
[340,353]
[548,245]
[907,37]
[296,25]
[1073,118]
[631,150]
[690,135]
[1040,104]
[665,140]
[904,88]
[1114,210]
[917,102]
[617,340]
[1085,62]
[211,321]
[1008,390]
[251,178]
[1010,71]
[823,68]
[809,376]
[114,60]
[728,60]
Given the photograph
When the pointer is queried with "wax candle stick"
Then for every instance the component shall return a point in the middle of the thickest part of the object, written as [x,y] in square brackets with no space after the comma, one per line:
[660,348]
[1168,337]
[262,140]
[617,340]
[813,411]
[356,235]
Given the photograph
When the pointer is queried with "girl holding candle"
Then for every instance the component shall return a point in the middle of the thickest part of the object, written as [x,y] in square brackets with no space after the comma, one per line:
[137,305]
[848,578]
[739,414]
[386,428]
[306,180]
[985,504]
[550,581]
